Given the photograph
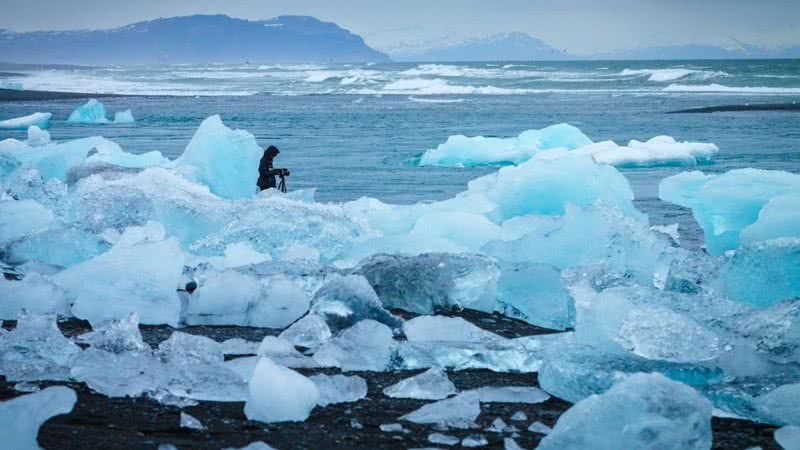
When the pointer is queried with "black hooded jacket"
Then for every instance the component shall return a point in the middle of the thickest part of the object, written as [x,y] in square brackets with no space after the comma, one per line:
[266,174]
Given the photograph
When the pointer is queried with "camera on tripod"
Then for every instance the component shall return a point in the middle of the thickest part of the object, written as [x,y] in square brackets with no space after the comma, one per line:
[282,172]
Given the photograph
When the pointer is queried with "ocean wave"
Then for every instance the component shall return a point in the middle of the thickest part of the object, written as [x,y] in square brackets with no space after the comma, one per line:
[719,88]
[665,75]
[436,100]
[457,71]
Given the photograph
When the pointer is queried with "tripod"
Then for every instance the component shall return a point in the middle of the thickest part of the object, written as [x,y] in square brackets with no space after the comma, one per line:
[282,184]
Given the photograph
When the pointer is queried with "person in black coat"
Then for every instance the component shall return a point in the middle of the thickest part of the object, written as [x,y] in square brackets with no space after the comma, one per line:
[266,174]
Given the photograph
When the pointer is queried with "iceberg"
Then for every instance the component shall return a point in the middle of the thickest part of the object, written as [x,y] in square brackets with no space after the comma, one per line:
[39,119]
[462,151]
[37,136]
[725,205]
[124,117]
[643,411]
[657,151]
[278,394]
[92,111]
[432,384]
[138,274]
[221,158]
[21,417]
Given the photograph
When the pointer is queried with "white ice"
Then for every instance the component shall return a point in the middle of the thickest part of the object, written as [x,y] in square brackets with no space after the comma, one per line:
[433,384]
[367,345]
[21,417]
[457,412]
[39,119]
[278,394]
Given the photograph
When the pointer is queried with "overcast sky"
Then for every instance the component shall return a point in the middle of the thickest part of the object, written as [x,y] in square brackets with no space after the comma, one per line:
[577,26]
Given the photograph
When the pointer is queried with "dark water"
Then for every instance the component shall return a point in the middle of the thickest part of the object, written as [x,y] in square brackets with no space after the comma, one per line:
[350,145]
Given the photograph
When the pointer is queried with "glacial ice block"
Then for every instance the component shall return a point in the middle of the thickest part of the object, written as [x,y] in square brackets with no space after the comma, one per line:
[643,411]
[310,331]
[124,117]
[92,111]
[139,274]
[432,384]
[344,300]
[658,151]
[463,151]
[22,218]
[788,437]
[36,350]
[225,160]
[367,345]
[39,119]
[339,388]
[725,205]
[446,329]
[21,417]
[535,294]
[37,136]
[278,394]
[457,412]
[35,293]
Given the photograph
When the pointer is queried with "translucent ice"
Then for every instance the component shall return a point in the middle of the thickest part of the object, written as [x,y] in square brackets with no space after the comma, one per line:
[457,412]
[788,437]
[221,158]
[344,300]
[511,394]
[22,218]
[278,394]
[474,440]
[39,119]
[36,350]
[310,331]
[726,204]
[37,136]
[367,345]
[138,274]
[643,411]
[92,111]
[116,336]
[432,384]
[57,246]
[34,293]
[242,254]
[782,405]
[21,417]
[535,293]
[432,282]
[339,388]
[462,151]
[540,428]
[124,117]
[780,217]
[444,329]
[443,439]
[283,352]
[190,422]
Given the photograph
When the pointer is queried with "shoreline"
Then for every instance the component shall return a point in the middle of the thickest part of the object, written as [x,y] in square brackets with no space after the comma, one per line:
[12,95]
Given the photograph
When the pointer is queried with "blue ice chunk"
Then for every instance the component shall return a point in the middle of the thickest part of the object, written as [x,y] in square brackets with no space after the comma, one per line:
[534,293]
[92,111]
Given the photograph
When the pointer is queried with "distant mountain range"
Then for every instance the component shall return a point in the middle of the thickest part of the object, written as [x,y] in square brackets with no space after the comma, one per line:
[514,46]
[193,40]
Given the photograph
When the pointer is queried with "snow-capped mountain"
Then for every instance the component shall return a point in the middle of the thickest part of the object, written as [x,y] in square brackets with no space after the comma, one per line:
[193,39]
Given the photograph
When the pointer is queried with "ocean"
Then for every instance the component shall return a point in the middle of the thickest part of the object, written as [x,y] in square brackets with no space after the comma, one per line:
[351,130]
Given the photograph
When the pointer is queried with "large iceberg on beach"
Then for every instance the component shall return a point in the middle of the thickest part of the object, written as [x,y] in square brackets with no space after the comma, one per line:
[221,158]
[643,411]
[39,119]
[728,207]
[21,417]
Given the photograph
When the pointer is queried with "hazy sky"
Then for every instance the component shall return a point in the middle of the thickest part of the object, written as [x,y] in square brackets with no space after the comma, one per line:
[578,26]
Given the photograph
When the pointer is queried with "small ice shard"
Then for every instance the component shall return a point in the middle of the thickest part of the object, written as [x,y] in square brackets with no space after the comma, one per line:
[498,426]
[145,266]
[474,440]
[217,156]
[258,445]
[36,350]
[39,119]
[339,388]
[457,412]
[781,404]
[355,424]
[511,444]
[167,447]
[116,336]
[367,345]
[433,384]
[279,394]
[446,329]
[519,416]
[511,394]
[92,111]
[443,439]
[37,136]
[310,331]
[392,428]
[190,422]
[539,427]
[432,282]
[642,411]
[21,417]
[788,437]
[124,117]
[344,300]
